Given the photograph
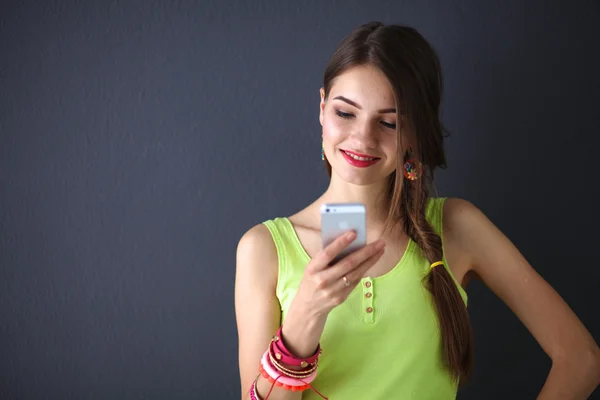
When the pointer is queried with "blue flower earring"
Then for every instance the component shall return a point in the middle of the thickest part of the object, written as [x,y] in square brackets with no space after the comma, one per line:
[322,150]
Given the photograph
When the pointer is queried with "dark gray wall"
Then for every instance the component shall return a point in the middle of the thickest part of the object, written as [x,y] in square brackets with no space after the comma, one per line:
[139,140]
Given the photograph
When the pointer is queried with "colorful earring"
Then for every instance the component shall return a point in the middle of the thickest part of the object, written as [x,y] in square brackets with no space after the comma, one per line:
[323,151]
[411,169]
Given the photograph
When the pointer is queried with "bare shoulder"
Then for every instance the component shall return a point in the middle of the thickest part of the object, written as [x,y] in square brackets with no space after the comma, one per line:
[461,219]
[464,221]
[257,308]
[256,253]
[477,238]
[456,207]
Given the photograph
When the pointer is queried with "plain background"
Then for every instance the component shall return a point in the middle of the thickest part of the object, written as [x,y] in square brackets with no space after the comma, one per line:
[139,140]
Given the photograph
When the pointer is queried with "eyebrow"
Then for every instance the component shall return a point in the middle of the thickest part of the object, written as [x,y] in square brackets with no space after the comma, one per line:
[352,103]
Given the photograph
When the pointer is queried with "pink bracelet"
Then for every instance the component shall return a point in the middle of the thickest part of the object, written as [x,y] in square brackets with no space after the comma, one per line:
[253,394]
[281,353]
[286,380]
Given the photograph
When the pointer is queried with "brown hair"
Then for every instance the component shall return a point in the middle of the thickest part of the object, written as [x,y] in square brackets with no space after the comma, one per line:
[413,69]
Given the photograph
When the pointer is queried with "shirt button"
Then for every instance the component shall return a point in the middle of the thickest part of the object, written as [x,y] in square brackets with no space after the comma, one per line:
[369,309]
[368,295]
[368,284]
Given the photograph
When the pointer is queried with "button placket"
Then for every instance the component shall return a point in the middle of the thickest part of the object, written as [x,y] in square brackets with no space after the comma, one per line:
[368,310]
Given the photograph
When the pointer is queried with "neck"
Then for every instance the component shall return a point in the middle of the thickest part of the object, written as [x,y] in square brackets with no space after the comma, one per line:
[373,196]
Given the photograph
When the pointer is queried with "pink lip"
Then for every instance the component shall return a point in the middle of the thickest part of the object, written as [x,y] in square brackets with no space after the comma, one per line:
[358,163]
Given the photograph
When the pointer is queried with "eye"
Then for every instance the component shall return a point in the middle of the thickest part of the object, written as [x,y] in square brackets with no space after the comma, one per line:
[388,125]
[343,114]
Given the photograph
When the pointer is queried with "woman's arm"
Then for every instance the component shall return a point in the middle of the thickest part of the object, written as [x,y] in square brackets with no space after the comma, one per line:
[257,308]
[498,263]
[321,289]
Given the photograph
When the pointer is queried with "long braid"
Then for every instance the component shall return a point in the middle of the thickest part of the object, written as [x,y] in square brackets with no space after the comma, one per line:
[457,340]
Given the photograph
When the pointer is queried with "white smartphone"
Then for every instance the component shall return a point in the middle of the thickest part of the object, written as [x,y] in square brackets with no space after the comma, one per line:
[338,218]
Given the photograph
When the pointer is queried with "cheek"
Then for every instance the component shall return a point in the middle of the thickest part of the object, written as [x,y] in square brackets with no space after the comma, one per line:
[389,145]
[389,142]
[334,129]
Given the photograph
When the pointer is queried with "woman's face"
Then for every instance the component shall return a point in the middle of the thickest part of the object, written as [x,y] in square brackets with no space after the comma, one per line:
[359,116]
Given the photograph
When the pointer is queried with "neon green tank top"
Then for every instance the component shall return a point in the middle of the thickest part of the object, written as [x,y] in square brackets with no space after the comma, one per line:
[383,342]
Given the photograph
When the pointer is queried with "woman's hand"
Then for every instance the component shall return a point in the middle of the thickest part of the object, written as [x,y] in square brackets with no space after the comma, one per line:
[325,286]
[322,288]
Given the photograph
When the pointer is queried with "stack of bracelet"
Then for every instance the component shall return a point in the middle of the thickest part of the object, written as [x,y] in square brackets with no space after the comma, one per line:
[274,367]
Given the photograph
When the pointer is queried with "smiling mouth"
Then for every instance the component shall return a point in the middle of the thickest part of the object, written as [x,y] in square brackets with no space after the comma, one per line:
[359,162]
[359,156]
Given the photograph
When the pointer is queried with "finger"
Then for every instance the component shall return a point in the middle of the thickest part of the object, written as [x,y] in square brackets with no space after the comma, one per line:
[355,276]
[354,261]
[352,279]
[329,253]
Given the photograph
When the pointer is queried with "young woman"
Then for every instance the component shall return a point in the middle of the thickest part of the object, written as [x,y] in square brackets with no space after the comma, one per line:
[388,321]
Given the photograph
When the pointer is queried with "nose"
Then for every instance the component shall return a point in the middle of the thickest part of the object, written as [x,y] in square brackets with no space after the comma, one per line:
[364,136]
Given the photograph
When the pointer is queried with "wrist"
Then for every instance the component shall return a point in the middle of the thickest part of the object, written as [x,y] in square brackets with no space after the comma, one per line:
[302,337]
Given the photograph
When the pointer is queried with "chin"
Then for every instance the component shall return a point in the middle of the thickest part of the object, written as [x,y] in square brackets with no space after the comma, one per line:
[360,178]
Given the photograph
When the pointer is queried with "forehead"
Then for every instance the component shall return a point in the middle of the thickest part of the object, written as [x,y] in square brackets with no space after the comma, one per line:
[366,85]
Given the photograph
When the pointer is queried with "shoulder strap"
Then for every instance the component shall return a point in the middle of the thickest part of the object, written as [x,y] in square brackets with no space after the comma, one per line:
[274,228]
[290,264]
[434,213]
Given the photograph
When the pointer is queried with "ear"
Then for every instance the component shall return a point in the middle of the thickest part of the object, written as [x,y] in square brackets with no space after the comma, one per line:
[322,105]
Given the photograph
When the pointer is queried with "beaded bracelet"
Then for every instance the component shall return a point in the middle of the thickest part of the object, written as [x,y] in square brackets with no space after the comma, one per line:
[299,374]
[253,394]
[282,354]
[279,383]
[279,377]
